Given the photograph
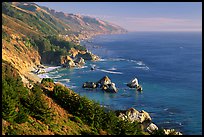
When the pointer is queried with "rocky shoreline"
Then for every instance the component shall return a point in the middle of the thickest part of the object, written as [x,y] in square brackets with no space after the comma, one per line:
[77,59]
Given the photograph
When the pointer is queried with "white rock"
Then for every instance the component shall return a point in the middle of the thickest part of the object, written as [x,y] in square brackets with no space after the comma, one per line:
[152,127]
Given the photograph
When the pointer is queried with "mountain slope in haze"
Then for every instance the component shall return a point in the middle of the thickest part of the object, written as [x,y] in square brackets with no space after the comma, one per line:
[33,35]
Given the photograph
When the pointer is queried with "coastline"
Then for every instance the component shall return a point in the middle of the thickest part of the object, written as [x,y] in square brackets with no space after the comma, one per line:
[32,75]
[49,68]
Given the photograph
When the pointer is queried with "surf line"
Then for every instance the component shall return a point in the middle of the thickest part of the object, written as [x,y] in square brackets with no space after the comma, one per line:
[110,71]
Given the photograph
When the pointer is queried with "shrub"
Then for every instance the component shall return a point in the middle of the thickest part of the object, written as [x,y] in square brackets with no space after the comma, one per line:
[44,80]
[93,114]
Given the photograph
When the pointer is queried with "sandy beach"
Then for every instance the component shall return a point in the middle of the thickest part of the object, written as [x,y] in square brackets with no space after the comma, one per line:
[30,74]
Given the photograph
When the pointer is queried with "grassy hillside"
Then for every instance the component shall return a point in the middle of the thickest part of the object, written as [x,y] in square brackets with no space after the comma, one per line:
[51,108]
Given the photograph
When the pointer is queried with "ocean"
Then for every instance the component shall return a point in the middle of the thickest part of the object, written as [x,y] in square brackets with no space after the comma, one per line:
[168,66]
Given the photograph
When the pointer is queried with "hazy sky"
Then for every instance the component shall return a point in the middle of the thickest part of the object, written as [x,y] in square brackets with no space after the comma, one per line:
[139,16]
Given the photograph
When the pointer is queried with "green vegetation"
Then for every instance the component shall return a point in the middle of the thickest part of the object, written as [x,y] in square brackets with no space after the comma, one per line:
[21,105]
[41,31]
[92,113]
[44,80]
[17,101]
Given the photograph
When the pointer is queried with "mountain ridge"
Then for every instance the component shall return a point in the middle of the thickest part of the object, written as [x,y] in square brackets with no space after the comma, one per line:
[48,33]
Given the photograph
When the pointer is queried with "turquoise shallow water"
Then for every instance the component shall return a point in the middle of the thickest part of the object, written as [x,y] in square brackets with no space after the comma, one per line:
[167,65]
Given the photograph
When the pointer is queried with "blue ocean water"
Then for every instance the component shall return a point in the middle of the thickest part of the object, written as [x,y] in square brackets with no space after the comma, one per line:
[168,65]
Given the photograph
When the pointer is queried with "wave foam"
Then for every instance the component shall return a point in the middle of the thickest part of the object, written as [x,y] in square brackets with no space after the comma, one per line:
[112,72]
[66,80]
[144,68]
[113,68]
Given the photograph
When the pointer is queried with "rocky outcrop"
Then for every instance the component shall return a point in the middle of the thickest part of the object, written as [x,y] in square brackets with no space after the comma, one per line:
[77,58]
[134,115]
[151,128]
[90,85]
[88,56]
[105,84]
[67,61]
[144,119]
[135,84]
[171,132]
[104,81]
[79,62]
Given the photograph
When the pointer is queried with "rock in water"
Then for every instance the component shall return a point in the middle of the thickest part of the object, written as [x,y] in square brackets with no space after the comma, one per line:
[104,81]
[67,61]
[79,61]
[134,115]
[139,88]
[88,56]
[110,88]
[90,85]
[171,132]
[133,83]
[151,128]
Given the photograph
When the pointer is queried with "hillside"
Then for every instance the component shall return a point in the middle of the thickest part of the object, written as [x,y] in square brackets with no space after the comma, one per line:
[33,35]
[52,109]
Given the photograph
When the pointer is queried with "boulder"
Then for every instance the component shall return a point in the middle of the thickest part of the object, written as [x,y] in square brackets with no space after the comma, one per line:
[90,85]
[88,56]
[122,116]
[134,115]
[139,88]
[67,61]
[110,88]
[171,132]
[79,61]
[69,64]
[151,128]
[133,83]
[104,81]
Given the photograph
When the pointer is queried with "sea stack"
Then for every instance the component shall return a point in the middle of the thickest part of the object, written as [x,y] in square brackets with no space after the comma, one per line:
[135,84]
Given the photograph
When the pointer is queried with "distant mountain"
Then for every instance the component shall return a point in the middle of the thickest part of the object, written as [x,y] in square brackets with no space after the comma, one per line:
[32,34]
[58,22]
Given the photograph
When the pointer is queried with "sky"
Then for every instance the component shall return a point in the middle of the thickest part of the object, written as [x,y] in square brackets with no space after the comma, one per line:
[138,16]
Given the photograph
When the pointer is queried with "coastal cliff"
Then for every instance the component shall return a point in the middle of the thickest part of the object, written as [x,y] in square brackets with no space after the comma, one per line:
[33,35]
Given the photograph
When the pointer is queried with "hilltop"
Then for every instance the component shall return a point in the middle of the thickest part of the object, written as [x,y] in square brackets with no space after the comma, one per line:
[33,35]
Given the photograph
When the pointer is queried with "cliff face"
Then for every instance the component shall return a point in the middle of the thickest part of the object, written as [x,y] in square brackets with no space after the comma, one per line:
[32,35]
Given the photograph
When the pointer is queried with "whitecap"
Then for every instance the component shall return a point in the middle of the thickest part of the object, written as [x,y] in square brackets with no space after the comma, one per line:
[113,68]
[140,63]
[58,76]
[116,59]
[82,67]
[51,68]
[66,80]
[43,76]
[144,68]
[102,60]
[166,109]
[112,72]
[166,122]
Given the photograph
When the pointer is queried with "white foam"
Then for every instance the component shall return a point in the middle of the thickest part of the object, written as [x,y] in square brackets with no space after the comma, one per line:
[113,68]
[66,80]
[140,63]
[51,68]
[102,60]
[112,72]
[117,59]
[43,75]
[144,68]
[58,76]
[81,67]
